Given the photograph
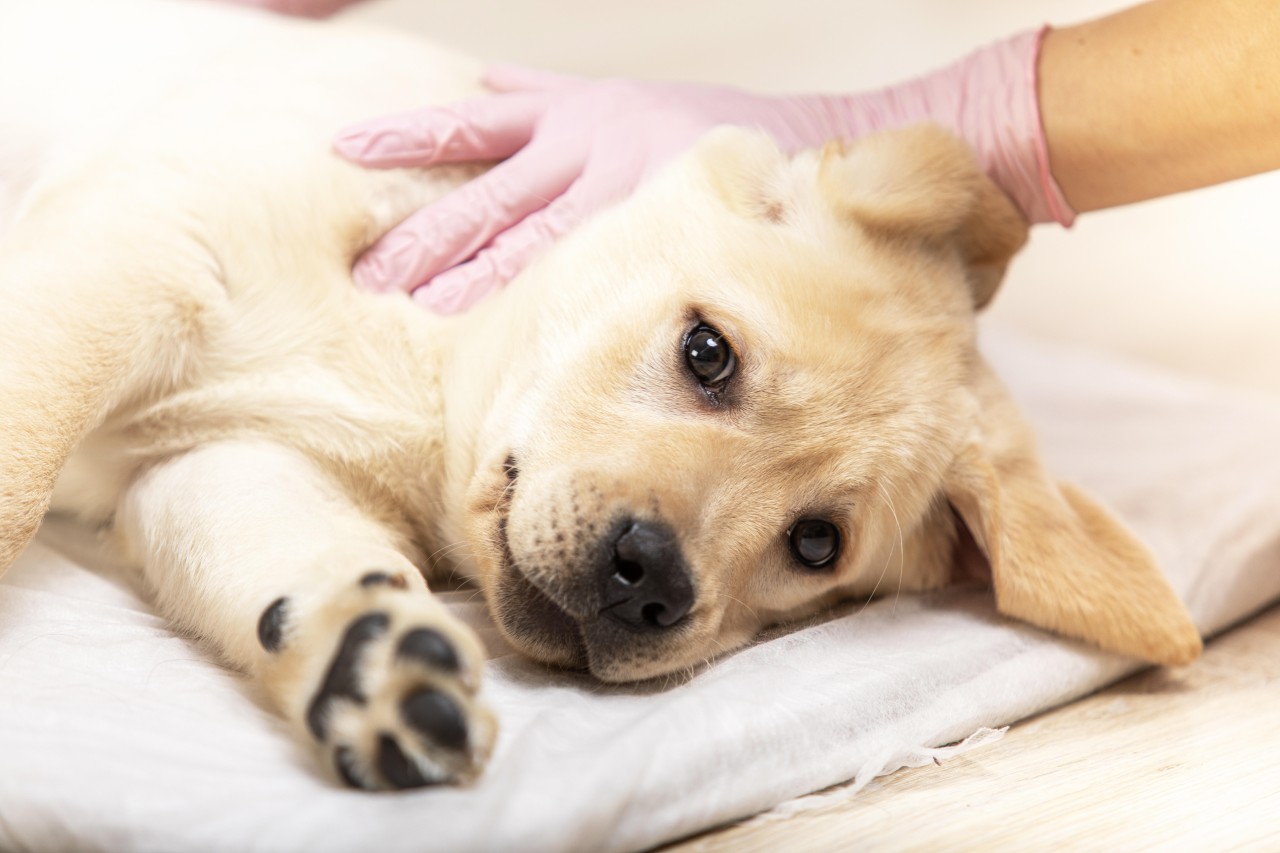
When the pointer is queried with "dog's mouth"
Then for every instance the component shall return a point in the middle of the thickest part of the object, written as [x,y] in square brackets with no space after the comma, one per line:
[529,618]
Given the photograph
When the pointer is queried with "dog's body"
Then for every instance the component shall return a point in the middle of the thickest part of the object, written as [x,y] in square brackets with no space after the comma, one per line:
[284,457]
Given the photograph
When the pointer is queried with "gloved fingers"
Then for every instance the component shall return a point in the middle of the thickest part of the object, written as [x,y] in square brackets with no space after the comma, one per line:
[454,228]
[509,253]
[302,8]
[492,127]
[508,77]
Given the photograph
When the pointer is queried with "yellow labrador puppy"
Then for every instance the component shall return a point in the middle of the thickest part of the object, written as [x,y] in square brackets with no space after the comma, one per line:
[746,393]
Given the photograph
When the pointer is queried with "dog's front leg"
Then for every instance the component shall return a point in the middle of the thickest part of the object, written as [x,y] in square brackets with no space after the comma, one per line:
[251,547]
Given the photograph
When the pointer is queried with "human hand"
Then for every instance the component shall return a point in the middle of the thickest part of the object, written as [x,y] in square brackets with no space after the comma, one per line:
[576,146]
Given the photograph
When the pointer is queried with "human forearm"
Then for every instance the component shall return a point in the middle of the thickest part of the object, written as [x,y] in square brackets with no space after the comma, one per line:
[987,98]
[1160,98]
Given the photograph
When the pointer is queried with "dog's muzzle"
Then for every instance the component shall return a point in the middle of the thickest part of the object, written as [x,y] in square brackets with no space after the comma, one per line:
[627,599]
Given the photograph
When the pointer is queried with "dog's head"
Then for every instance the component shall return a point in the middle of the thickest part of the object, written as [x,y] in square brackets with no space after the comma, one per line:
[754,390]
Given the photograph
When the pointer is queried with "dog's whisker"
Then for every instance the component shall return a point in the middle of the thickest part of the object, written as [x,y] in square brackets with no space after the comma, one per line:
[749,608]
[442,554]
[496,506]
[502,496]
[902,548]
[443,550]
[887,557]
[902,553]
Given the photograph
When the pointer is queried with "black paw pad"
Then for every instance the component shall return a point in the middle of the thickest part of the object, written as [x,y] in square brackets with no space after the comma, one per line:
[383,579]
[271,625]
[436,716]
[431,648]
[398,769]
[341,682]
[343,761]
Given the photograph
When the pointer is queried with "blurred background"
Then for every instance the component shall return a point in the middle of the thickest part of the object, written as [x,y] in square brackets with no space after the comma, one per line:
[1190,282]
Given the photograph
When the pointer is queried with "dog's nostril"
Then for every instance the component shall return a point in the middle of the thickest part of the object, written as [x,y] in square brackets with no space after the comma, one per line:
[653,613]
[629,572]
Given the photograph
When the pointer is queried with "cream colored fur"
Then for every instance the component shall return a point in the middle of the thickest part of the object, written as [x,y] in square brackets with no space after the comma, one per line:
[189,366]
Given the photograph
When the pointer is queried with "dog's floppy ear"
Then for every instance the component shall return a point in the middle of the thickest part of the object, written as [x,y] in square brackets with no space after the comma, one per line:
[923,183]
[1058,559]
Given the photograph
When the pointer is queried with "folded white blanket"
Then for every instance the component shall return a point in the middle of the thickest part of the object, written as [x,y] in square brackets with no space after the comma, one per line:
[115,734]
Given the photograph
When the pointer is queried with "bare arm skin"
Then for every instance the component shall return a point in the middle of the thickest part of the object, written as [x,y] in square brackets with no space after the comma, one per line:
[1163,97]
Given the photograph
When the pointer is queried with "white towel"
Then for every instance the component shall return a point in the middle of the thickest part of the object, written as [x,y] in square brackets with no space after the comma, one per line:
[115,734]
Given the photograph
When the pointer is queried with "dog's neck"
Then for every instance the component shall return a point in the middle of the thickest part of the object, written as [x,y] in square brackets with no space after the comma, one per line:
[479,352]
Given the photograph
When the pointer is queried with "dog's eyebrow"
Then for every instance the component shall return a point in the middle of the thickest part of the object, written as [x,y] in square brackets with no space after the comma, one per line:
[836,501]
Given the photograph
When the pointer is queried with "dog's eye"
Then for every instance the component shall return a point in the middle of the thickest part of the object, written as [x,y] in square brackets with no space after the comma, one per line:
[814,542]
[709,356]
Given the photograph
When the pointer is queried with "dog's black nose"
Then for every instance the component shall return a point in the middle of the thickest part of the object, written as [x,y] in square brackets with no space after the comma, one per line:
[645,582]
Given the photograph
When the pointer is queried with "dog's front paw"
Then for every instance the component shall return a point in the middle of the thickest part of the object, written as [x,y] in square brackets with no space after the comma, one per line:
[383,680]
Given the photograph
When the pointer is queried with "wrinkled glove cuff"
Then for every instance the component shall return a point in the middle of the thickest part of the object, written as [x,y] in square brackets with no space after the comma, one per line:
[990,99]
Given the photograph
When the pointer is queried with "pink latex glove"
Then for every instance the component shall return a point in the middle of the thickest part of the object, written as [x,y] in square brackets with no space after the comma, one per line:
[576,146]
[301,8]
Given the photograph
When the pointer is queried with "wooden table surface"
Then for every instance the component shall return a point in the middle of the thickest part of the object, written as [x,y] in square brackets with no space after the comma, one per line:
[1177,759]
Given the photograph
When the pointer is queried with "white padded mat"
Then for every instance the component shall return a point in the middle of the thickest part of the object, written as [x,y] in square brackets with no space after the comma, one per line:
[117,735]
